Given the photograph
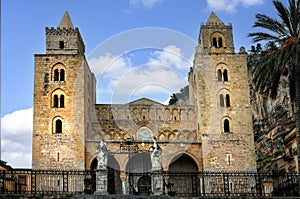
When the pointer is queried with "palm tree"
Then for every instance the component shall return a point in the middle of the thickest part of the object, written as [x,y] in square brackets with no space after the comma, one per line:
[282,55]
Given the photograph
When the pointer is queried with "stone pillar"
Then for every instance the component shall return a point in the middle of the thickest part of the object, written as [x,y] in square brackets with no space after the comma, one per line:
[157,182]
[101,182]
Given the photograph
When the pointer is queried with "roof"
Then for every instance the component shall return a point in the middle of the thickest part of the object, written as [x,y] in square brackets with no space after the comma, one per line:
[66,21]
[214,20]
[144,101]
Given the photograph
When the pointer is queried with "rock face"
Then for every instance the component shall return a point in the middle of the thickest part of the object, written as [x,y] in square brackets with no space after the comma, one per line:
[274,130]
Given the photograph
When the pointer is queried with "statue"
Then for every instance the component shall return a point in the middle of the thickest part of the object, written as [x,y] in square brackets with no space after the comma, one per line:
[101,151]
[155,155]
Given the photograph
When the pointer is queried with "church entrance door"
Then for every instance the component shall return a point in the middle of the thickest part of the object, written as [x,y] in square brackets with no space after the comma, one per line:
[144,185]
[138,168]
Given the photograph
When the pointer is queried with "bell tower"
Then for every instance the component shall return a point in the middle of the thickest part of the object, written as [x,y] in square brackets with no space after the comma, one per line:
[64,95]
[219,83]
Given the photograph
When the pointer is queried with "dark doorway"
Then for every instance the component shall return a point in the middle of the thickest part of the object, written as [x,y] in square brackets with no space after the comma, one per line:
[138,169]
[183,172]
[114,184]
[144,185]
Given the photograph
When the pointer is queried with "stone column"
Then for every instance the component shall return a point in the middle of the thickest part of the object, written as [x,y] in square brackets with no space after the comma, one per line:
[101,182]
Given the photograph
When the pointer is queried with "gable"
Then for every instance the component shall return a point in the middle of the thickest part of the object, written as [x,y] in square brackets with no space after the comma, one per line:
[145,101]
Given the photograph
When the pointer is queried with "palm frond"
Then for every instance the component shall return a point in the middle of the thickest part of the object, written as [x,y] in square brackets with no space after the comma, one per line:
[283,14]
[266,22]
[260,36]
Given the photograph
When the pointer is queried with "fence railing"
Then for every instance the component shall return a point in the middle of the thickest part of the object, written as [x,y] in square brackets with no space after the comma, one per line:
[28,181]
[184,184]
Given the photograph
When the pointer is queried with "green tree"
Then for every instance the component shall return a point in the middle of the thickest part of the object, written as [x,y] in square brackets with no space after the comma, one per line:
[181,97]
[281,56]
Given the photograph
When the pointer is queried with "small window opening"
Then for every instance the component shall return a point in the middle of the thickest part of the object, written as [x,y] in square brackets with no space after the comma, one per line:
[159,117]
[226,126]
[58,161]
[61,44]
[62,101]
[219,75]
[56,75]
[62,75]
[55,101]
[127,117]
[215,42]
[58,126]
[225,75]
[175,118]
[227,100]
[220,43]
[221,100]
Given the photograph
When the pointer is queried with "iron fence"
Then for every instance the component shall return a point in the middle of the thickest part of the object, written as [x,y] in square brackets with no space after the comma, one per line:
[195,184]
[28,181]
[183,184]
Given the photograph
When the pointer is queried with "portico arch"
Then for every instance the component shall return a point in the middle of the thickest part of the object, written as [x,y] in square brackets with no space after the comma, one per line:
[114,185]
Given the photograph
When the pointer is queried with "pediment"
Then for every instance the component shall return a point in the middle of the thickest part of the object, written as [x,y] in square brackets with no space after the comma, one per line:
[145,101]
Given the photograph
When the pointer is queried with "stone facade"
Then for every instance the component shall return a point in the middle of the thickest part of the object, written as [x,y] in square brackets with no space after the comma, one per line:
[212,132]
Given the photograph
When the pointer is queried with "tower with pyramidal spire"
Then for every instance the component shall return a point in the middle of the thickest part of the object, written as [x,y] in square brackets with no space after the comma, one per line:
[64,92]
[219,85]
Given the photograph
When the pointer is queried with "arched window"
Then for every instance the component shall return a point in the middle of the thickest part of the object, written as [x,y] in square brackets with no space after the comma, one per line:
[56,75]
[219,75]
[221,100]
[62,101]
[215,44]
[227,100]
[62,75]
[144,133]
[225,75]
[58,99]
[58,126]
[55,101]
[226,126]
[220,43]
[58,72]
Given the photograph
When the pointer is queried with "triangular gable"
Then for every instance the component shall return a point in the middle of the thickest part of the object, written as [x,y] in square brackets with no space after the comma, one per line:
[144,101]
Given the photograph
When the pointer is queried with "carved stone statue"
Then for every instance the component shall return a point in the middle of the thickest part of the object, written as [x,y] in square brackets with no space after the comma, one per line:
[101,151]
[155,155]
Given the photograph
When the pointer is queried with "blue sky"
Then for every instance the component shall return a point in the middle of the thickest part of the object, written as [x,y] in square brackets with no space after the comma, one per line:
[101,23]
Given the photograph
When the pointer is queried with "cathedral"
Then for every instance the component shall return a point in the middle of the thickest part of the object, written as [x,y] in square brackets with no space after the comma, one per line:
[212,132]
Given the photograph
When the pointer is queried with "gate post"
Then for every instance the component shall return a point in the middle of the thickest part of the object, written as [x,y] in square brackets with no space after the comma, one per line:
[101,182]
[157,182]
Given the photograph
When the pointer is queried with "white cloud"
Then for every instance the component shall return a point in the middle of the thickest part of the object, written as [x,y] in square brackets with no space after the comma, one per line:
[110,65]
[16,136]
[170,56]
[144,3]
[164,72]
[231,5]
